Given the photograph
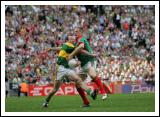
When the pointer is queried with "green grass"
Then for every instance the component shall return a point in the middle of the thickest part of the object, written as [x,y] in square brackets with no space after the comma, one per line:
[114,103]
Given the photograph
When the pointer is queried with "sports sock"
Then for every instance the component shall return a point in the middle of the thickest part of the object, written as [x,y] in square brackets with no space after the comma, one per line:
[82,94]
[100,85]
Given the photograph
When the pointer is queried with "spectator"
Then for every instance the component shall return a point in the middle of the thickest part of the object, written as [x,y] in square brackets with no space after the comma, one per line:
[15,85]
[7,87]
[24,88]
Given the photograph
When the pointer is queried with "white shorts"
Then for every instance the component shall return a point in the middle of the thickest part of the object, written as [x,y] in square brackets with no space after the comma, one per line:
[86,67]
[63,72]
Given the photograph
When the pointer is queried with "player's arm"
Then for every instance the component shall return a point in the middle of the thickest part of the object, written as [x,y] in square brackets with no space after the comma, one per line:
[76,50]
[54,49]
[87,53]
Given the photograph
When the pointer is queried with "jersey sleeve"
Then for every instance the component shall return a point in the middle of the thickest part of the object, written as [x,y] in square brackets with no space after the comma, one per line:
[81,42]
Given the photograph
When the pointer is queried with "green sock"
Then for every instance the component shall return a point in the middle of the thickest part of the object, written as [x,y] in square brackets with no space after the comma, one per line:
[88,91]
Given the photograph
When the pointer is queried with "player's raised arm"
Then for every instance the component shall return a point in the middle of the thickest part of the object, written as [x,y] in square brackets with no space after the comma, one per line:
[77,49]
[53,49]
[88,53]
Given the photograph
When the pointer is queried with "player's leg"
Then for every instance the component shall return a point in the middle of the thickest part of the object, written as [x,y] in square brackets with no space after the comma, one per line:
[97,80]
[81,91]
[109,89]
[55,89]
[74,77]
[83,96]
[57,84]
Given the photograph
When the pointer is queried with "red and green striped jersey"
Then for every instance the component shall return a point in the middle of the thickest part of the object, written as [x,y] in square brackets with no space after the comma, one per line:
[82,57]
[66,49]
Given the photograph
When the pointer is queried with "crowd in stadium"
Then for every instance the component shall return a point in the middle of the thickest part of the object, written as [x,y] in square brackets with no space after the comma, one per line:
[122,36]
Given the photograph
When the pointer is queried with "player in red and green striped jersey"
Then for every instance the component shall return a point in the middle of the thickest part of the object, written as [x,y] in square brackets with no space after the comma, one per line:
[87,62]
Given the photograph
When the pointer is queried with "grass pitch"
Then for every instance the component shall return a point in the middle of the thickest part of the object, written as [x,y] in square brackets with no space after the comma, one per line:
[144,102]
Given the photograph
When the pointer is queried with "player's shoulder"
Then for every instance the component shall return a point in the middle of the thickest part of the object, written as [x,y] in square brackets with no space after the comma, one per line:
[83,39]
[70,44]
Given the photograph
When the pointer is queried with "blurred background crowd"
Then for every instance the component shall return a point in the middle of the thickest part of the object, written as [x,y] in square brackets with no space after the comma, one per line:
[122,36]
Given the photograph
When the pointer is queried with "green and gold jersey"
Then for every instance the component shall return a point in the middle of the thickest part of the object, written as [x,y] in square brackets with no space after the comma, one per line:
[82,57]
[66,49]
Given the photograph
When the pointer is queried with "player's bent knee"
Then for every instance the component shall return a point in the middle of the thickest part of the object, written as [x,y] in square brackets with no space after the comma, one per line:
[54,90]
[78,85]
[92,73]
[78,82]
[76,78]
